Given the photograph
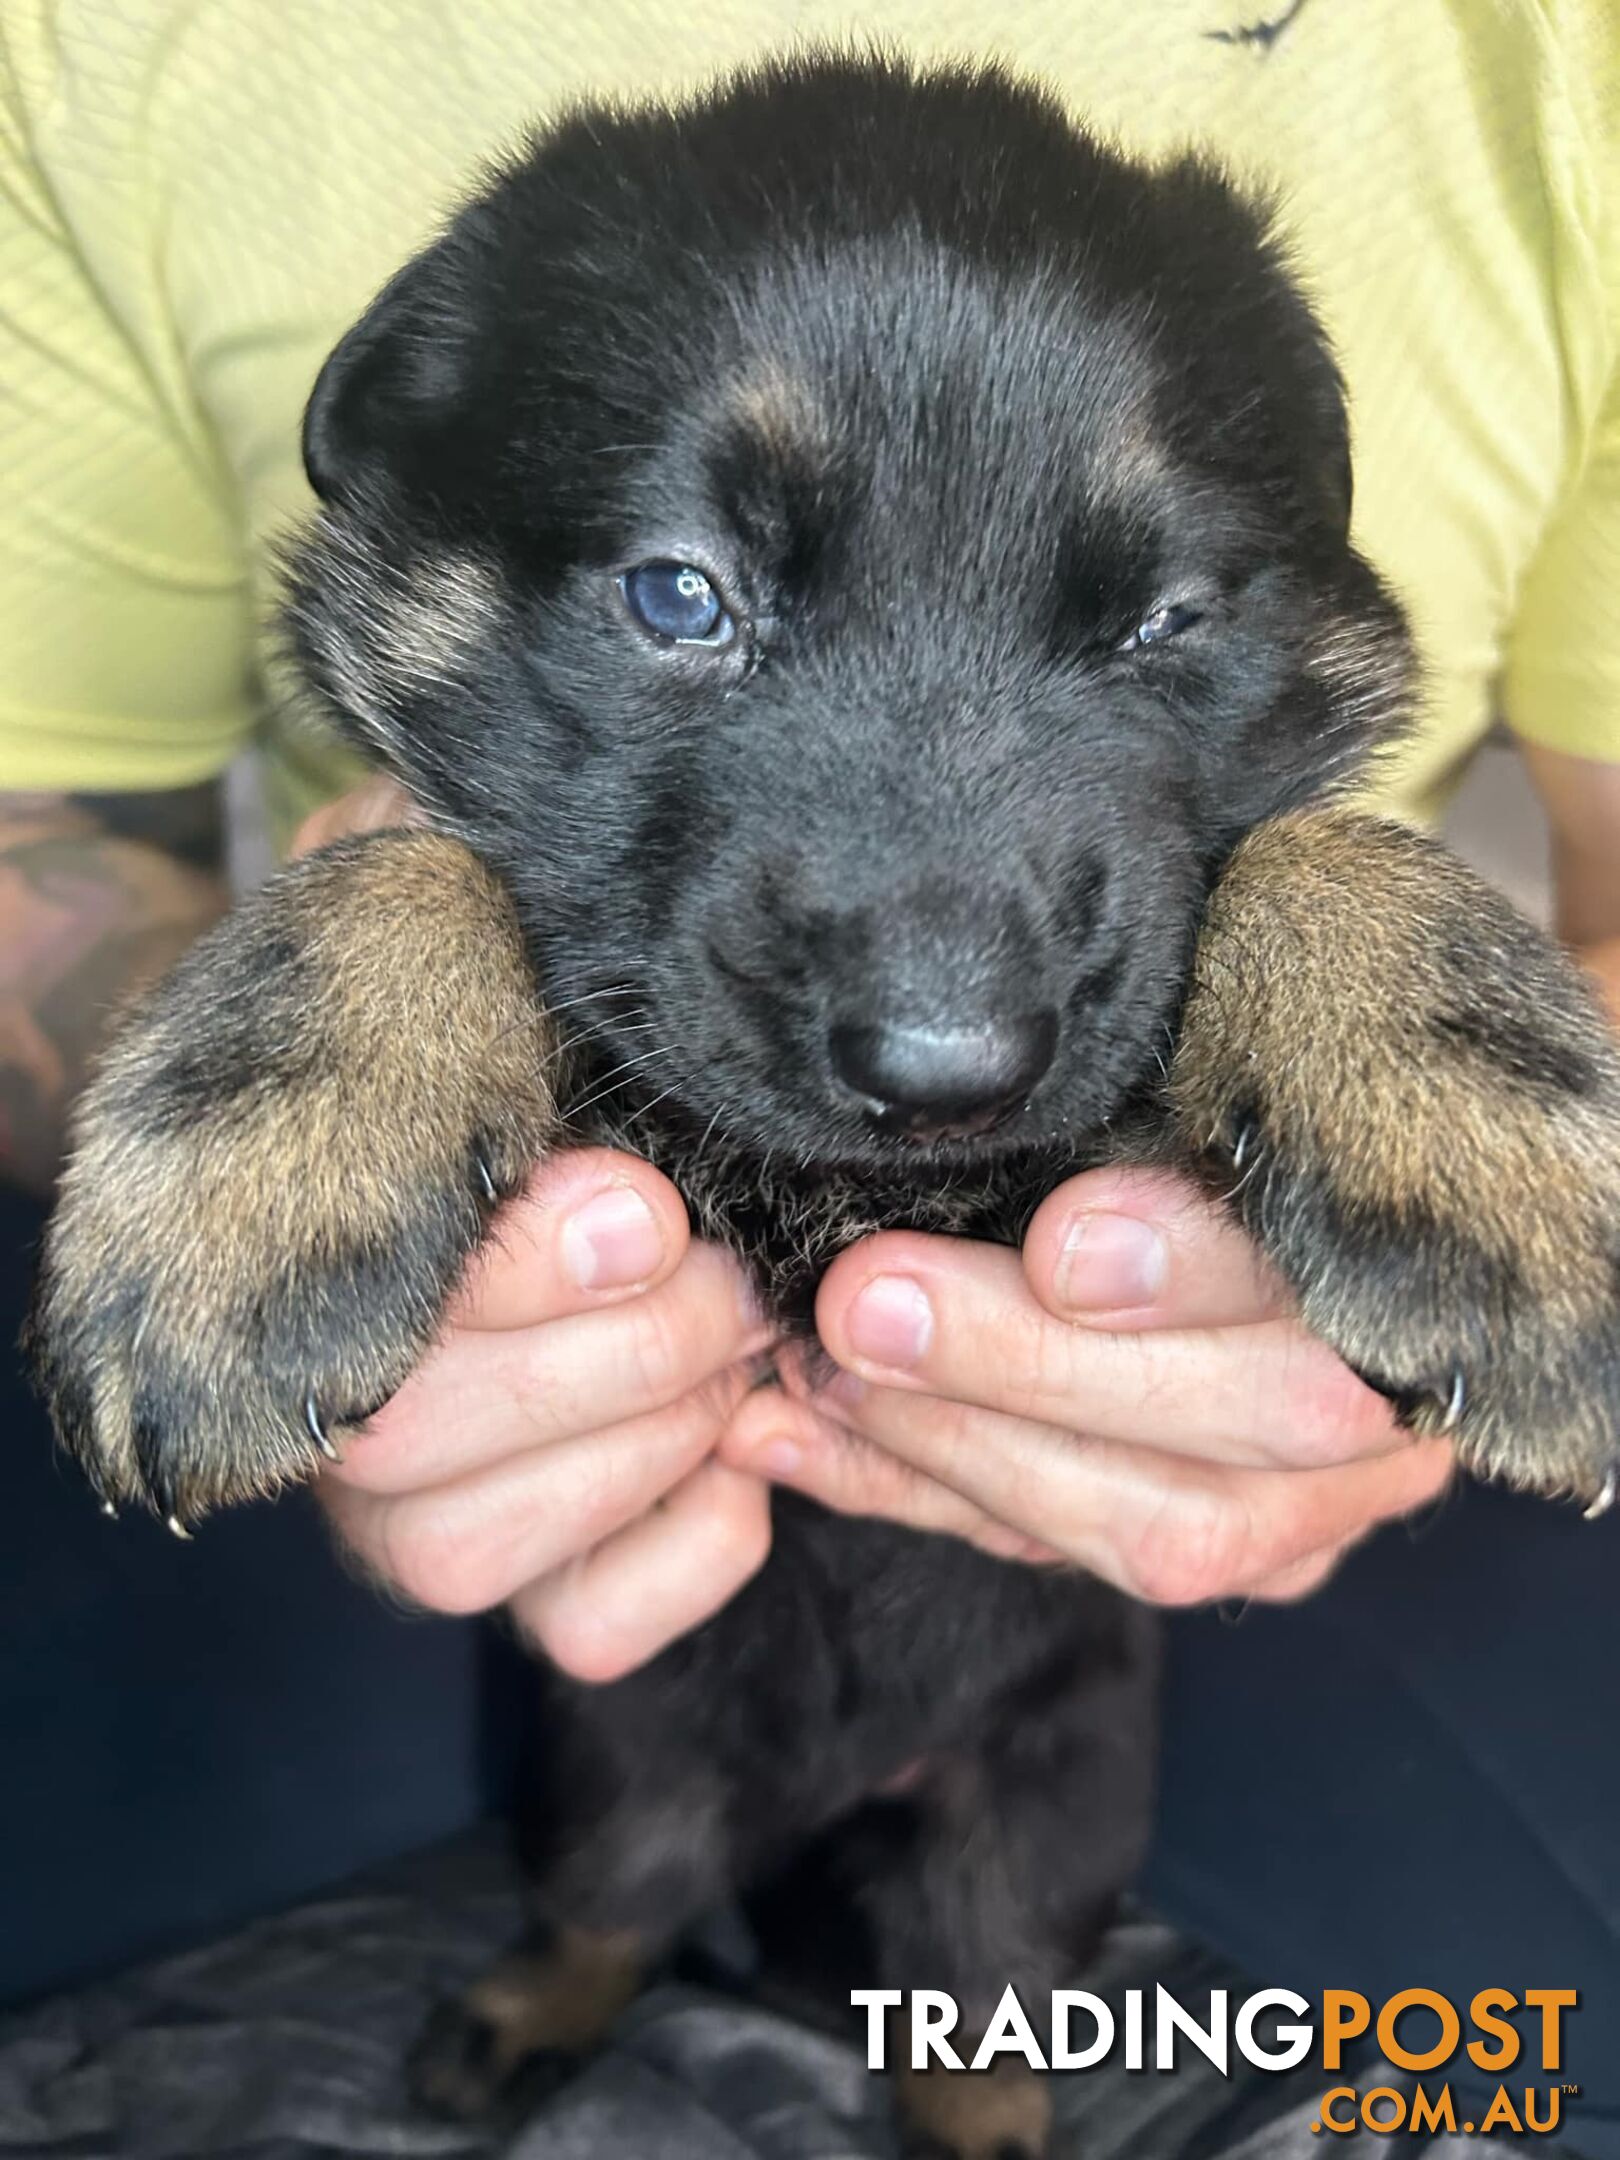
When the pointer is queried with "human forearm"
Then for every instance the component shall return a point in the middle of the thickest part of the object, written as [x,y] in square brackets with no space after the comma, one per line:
[97,894]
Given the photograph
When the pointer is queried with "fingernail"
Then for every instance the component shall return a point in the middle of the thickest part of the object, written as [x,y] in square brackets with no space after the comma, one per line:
[891,1322]
[781,1458]
[1109,1263]
[612,1241]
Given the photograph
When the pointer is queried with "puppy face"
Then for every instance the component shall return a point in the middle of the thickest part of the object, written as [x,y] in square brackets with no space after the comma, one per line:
[854,556]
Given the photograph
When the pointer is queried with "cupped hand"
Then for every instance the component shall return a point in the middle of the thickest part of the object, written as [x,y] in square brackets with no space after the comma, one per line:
[553,1452]
[1130,1393]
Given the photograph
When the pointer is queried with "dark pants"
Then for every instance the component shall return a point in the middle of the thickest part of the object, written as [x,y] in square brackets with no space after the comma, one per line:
[1411,1780]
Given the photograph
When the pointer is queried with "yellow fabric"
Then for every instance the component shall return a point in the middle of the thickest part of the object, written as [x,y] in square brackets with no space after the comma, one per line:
[196,197]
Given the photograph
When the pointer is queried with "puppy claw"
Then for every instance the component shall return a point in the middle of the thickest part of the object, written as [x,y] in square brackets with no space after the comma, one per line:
[1456,1402]
[317,1431]
[176,1528]
[1606,1498]
[105,1498]
[486,1182]
[154,1485]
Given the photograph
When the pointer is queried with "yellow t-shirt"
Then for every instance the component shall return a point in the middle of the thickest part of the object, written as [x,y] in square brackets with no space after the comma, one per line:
[197,196]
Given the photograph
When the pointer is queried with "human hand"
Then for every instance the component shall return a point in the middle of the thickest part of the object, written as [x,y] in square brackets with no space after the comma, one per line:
[554,1451]
[376,805]
[1130,1393]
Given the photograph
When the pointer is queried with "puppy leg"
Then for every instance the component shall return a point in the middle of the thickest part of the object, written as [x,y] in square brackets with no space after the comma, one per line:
[1412,1099]
[622,1885]
[280,1167]
[1011,1873]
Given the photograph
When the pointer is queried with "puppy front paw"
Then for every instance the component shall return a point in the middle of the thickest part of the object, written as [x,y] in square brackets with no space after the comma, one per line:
[279,1169]
[1412,1099]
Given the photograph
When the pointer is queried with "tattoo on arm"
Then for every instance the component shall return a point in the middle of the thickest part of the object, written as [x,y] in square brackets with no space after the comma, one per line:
[188,822]
[97,895]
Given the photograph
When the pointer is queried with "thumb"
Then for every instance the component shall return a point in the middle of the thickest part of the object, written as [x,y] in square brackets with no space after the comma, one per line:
[1132,1250]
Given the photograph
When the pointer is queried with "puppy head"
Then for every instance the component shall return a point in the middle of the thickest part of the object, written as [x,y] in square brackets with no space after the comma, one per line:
[854,554]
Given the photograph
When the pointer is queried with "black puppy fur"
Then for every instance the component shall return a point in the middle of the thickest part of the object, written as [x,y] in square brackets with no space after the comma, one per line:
[1021,475]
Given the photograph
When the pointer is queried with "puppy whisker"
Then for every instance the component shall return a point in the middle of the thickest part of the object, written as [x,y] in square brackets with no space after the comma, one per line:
[622,1075]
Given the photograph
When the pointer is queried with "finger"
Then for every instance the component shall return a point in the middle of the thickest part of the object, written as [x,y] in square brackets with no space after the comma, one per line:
[471,1544]
[790,1443]
[610,1610]
[958,1320]
[483,1396]
[592,1226]
[1174,1530]
[1127,1248]
[376,805]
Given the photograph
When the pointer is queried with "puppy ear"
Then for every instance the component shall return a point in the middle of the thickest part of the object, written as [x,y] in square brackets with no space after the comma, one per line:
[389,391]
[1227,254]
[1311,437]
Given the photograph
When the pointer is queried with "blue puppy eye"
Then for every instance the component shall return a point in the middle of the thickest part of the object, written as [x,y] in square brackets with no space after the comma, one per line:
[676,602]
[1163,623]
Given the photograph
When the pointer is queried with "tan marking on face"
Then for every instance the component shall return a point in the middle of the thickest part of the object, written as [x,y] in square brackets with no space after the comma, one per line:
[781,411]
[386,631]
[436,628]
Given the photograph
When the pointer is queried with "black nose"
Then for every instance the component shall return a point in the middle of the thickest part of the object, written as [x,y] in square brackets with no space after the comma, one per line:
[936,1076]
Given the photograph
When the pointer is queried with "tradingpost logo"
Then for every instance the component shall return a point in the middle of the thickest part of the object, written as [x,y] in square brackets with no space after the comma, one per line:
[1418,2031]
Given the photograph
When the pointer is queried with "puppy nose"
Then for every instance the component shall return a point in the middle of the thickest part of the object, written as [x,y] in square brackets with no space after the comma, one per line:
[939,1076]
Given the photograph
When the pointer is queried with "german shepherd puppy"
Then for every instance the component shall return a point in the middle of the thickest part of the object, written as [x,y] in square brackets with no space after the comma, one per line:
[858,574]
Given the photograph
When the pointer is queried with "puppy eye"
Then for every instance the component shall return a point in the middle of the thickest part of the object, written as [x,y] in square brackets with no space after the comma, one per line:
[1163,623]
[676,602]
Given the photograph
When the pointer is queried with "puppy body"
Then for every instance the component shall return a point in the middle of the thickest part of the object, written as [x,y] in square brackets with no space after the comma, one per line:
[980,829]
